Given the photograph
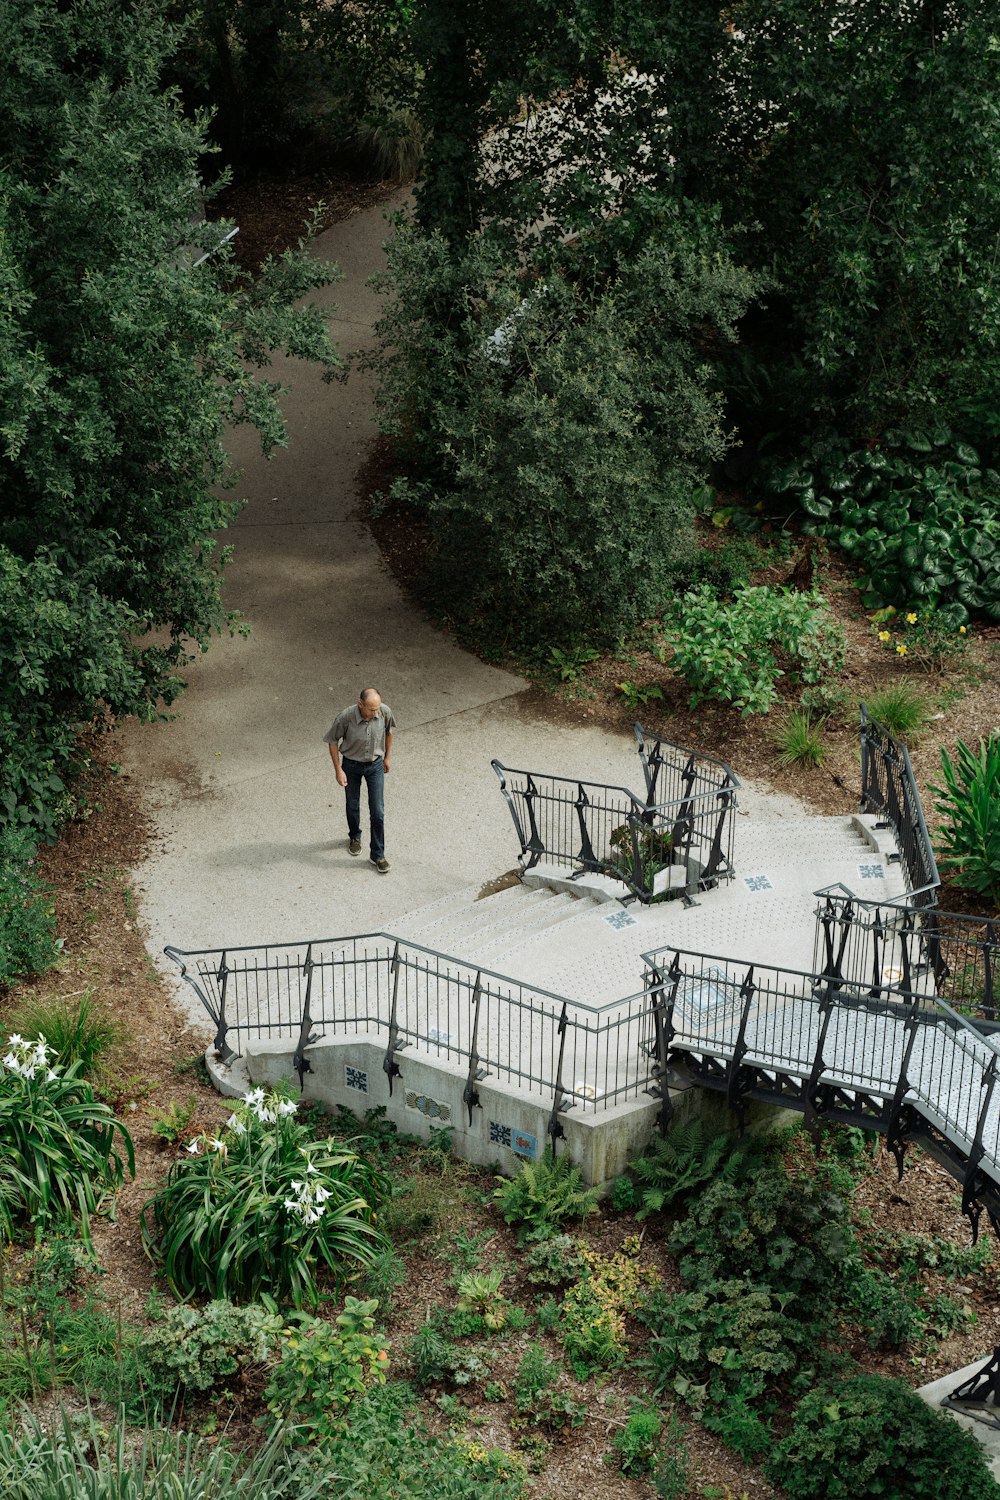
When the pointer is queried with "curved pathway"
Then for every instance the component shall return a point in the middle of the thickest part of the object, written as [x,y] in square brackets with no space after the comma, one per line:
[252,841]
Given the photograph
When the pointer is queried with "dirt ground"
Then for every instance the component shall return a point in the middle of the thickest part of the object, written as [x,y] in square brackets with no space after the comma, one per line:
[157,1064]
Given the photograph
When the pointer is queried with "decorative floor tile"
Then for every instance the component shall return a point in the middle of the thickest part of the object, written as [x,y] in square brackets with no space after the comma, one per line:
[755,883]
[620,919]
[871,872]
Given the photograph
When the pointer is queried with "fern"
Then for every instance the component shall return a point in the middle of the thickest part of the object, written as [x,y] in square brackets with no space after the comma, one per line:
[542,1195]
[678,1163]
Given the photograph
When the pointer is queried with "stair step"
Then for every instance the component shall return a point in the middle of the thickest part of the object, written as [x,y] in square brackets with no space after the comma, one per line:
[484,916]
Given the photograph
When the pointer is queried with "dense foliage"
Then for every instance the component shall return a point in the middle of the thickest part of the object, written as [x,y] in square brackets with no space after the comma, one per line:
[123,354]
[867,1437]
[557,428]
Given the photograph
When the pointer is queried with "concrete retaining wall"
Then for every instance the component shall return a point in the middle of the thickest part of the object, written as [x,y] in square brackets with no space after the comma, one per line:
[507,1127]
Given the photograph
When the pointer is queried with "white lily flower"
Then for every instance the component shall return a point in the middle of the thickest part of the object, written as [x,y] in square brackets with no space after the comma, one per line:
[298,1187]
[16,1040]
[267,1116]
[50,1075]
[320,1193]
[194,1148]
[254,1097]
[310,1168]
[218,1145]
[287,1107]
[291,1205]
[10,1061]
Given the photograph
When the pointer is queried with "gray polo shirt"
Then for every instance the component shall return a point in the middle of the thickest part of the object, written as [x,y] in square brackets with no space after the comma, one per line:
[358,738]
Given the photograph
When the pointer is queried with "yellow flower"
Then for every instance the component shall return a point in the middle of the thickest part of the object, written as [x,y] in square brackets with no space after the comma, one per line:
[900,650]
[911,619]
[961,630]
[883,635]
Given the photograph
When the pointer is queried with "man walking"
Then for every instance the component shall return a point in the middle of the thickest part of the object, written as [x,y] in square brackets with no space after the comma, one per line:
[360,740]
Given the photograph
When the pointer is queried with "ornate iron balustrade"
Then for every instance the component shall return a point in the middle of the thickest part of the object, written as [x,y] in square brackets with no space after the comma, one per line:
[679,846]
[673,774]
[889,789]
[896,947]
[908,1066]
[570,1055]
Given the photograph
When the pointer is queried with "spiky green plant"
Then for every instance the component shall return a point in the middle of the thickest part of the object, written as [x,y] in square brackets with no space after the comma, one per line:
[264,1208]
[61,1151]
[798,740]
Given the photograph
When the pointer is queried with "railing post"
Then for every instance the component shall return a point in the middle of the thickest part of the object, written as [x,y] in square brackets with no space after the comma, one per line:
[300,1062]
[989,949]
[536,844]
[586,855]
[555,1130]
[811,1094]
[470,1093]
[663,1033]
[222,1047]
[390,1067]
[734,1096]
[973,1184]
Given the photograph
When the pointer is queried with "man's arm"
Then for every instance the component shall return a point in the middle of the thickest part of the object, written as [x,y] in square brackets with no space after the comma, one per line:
[338,768]
[388,747]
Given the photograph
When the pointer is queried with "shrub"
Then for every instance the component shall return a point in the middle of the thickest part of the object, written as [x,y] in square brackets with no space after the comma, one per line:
[201,1348]
[60,1150]
[917,512]
[262,1208]
[741,1427]
[380,1453]
[542,1195]
[736,652]
[969,804]
[728,1338]
[324,1366]
[536,428]
[769,1230]
[798,740]
[867,1438]
[553,1262]
[28,942]
[928,636]
[902,709]
[78,1030]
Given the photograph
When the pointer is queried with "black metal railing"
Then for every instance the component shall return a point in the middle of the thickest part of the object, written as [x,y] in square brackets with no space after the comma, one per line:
[913,950]
[657,850]
[915,1070]
[570,1055]
[889,789]
[673,774]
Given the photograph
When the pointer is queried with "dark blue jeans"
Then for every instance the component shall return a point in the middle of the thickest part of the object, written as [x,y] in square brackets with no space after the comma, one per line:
[372,772]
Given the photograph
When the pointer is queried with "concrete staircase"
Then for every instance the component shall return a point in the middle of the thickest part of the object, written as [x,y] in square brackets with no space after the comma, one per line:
[581,936]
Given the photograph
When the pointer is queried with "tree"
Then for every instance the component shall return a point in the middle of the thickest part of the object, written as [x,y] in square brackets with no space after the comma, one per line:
[855,150]
[125,349]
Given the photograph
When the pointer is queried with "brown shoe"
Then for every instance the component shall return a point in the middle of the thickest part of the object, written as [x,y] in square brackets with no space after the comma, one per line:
[354,847]
[381,865]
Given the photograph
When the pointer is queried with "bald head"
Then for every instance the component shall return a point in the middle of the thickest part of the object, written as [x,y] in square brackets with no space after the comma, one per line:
[369,702]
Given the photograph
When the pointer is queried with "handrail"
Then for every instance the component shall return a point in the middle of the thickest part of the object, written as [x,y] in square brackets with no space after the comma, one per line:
[606,829]
[903,945]
[486,1022]
[898,800]
[912,1070]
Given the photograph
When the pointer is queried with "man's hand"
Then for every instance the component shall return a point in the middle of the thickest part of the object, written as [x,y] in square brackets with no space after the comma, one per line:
[385,764]
[341,778]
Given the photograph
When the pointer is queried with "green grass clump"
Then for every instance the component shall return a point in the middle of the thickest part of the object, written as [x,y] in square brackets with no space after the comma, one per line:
[902,709]
[798,740]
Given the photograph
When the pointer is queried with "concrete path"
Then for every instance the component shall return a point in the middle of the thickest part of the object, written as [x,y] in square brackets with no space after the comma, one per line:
[252,838]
